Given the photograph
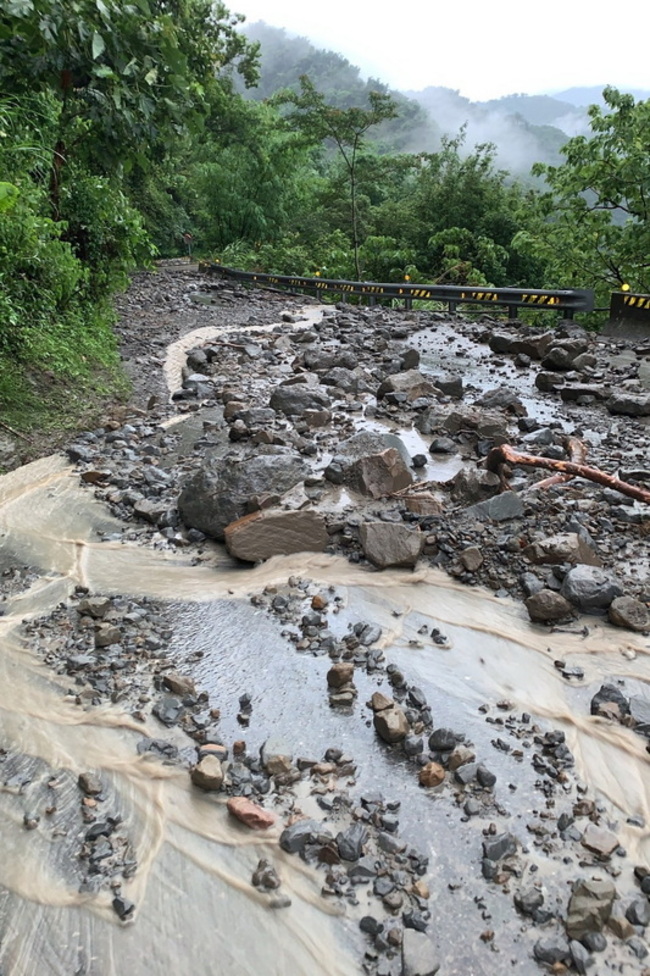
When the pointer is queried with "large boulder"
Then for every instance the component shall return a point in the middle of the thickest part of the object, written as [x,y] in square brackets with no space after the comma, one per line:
[294,399]
[589,588]
[224,490]
[260,535]
[411,383]
[379,475]
[565,547]
[630,404]
[590,906]
[390,544]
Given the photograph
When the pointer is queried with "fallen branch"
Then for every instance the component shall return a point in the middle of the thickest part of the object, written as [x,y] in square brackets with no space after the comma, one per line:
[505,454]
[577,451]
[16,433]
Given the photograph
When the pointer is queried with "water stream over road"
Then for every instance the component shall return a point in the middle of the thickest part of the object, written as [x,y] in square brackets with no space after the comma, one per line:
[196,910]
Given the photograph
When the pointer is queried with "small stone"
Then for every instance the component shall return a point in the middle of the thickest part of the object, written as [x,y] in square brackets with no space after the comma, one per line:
[486,778]
[419,955]
[638,912]
[350,842]
[294,837]
[599,840]
[431,775]
[471,558]
[620,926]
[340,674]
[391,724]
[627,612]
[250,814]
[208,773]
[179,685]
[590,907]
[265,875]
[547,606]
[123,908]
[90,784]
[500,846]
[552,950]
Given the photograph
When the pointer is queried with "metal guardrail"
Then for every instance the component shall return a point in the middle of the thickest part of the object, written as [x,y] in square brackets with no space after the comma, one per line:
[567,301]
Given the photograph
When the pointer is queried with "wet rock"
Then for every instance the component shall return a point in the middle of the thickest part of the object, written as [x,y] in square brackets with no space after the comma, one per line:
[590,907]
[261,535]
[419,955]
[451,386]
[500,846]
[123,908]
[90,784]
[107,634]
[294,838]
[638,912]
[295,400]
[529,901]
[566,547]
[95,606]
[431,775]
[640,713]
[474,485]
[490,426]
[411,383]
[471,558]
[629,404]
[179,684]
[208,773]
[609,694]
[442,740]
[626,611]
[594,942]
[500,508]
[589,588]
[638,947]
[502,398]
[620,926]
[340,674]
[548,606]
[379,475]
[485,777]
[600,841]
[168,710]
[275,755]
[390,544]
[250,814]
[391,724]
[220,492]
[350,842]
[552,950]
[443,445]
[548,382]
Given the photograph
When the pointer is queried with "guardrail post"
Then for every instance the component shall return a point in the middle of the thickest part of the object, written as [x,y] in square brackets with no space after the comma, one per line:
[512,313]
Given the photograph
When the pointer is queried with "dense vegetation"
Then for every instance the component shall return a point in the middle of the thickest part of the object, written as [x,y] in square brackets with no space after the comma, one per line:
[125,126]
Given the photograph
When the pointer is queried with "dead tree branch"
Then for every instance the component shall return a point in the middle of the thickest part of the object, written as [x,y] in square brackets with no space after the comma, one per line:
[506,455]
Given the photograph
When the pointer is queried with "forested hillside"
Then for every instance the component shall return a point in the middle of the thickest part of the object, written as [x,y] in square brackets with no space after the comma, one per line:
[133,126]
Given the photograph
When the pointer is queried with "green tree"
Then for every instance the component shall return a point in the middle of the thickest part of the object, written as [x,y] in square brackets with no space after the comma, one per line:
[345,128]
[122,73]
[593,226]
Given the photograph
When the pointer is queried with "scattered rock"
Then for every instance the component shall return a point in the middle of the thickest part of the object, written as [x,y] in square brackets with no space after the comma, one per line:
[250,814]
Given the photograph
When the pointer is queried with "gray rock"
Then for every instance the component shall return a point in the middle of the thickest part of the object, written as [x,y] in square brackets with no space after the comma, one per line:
[451,386]
[580,956]
[500,508]
[391,724]
[626,611]
[411,382]
[419,955]
[390,544]
[275,755]
[221,491]
[294,838]
[168,710]
[547,606]
[590,906]
[565,547]
[500,846]
[443,445]
[632,405]
[552,950]
[589,588]
[529,900]
[296,399]
[599,840]
[640,712]
[379,475]
[350,842]
[503,398]
[638,912]
[609,694]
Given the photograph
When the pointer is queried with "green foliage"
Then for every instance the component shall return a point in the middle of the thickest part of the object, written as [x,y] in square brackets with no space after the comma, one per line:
[593,226]
[319,121]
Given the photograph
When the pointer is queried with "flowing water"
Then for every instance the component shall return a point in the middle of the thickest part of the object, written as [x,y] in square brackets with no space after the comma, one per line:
[196,910]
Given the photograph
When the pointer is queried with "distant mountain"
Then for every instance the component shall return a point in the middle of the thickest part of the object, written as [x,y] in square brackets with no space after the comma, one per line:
[582,97]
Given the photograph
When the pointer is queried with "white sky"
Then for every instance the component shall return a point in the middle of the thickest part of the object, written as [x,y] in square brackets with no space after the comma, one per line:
[485,48]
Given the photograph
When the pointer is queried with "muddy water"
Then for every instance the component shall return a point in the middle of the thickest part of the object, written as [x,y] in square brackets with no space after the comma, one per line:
[194,901]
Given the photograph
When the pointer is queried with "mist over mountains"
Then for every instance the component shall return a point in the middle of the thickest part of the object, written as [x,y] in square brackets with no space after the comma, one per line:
[524,128]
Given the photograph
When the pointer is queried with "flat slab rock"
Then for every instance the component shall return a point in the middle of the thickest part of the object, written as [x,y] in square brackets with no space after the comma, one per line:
[275,533]
[419,955]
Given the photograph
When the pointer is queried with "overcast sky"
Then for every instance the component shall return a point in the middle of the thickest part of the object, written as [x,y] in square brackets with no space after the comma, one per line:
[484,48]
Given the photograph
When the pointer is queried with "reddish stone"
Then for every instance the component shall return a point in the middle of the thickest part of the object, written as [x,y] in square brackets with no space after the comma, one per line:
[250,814]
